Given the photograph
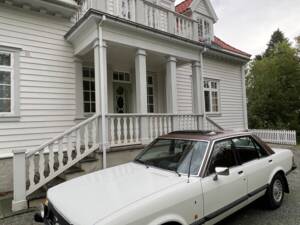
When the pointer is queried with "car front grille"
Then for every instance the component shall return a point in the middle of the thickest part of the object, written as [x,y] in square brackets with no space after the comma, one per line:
[53,217]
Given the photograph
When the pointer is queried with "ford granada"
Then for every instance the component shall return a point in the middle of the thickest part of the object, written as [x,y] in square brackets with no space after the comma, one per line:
[182,178]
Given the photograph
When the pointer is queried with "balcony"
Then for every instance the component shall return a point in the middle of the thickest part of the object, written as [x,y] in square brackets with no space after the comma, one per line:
[156,16]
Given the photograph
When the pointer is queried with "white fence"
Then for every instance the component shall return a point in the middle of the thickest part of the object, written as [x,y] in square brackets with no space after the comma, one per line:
[287,137]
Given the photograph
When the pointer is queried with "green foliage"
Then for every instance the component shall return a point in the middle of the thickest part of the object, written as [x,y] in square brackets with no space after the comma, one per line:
[276,38]
[273,88]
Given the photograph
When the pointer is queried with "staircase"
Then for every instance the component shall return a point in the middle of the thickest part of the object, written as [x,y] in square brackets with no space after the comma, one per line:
[70,154]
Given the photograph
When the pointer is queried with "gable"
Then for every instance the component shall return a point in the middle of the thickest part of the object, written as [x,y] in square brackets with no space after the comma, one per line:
[204,7]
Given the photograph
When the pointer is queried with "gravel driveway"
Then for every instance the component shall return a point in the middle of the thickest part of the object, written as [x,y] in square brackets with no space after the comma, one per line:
[254,214]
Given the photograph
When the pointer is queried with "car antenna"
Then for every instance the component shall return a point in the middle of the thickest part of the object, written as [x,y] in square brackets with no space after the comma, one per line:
[190,165]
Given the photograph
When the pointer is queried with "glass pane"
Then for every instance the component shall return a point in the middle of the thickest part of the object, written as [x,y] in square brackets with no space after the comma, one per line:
[206,84]
[92,85]
[150,91]
[87,107]
[4,91]
[5,59]
[245,149]
[121,76]
[215,106]
[86,72]
[4,77]
[5,105]
[93,107]
[150,99]
[86,85]
[86,96]
[214,85]
[149,80]
[127,77]
[207,101]
[93,96]
[92,72]
[115,76]
[151,108]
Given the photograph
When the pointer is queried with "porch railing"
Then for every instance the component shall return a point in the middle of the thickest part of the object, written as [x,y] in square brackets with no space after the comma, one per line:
[144,12]
[33,169]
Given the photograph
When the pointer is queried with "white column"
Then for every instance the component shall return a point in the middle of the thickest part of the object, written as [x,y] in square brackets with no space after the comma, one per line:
[171,90]
[141,93]
[141,81]
[19,176]
[202,98]
[244,97]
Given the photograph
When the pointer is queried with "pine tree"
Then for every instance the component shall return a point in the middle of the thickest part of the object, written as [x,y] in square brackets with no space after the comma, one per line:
[277,37]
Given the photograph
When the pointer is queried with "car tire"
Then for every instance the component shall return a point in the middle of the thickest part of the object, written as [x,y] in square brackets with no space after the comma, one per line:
[275,192]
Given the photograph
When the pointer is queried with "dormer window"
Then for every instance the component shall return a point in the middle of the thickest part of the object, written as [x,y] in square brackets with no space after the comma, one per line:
[204,29]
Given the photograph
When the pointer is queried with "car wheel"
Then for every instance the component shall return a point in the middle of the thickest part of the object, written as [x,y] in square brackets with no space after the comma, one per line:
[275,192]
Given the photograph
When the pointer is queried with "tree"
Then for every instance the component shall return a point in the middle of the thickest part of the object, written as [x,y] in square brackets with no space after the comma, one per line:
[276,38]
[273,87]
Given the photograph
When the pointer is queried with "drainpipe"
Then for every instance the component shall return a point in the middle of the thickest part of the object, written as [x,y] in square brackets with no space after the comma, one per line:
[103,110]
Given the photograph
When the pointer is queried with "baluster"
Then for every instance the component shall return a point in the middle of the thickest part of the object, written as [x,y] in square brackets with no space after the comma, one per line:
[41,165]
[156,126]
[112,130]
[31,170]
[78,143]
[69,148]
[165,125]
[160,126]
[137,129]
[125,130]
[94,134]
[86,138]
[51,159]
[169,124]
[60,154]
[151,128]
[131,129]
[119,130]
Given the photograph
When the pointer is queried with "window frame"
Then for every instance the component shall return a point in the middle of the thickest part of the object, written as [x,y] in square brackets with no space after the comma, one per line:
[153,93]
[14,114]
[89,79]
[202,34]
[211,90]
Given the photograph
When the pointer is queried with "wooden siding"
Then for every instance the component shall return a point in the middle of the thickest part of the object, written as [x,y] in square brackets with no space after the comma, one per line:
[229,75]
[231,100]
[47,78]
[184,89]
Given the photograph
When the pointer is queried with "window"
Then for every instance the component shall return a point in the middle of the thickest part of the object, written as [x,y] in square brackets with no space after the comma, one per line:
[204,29]
[150,94]
[6,82]
[211,95]
[89,90]
[122,77]
[248,149]
[222,156]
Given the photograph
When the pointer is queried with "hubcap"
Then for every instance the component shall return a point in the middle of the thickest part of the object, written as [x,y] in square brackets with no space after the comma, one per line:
[277,190]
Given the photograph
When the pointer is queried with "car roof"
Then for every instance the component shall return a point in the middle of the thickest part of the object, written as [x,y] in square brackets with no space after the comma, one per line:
[203,135]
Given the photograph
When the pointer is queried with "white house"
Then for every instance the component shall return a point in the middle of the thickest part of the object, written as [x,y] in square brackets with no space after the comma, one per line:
[144,67]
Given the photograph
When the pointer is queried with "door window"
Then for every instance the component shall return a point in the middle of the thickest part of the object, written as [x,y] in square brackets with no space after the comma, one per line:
[248,149]
[222,156]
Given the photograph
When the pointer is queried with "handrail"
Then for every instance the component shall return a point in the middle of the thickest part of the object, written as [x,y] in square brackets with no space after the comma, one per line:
[151,114]
[83,123]
[214,123]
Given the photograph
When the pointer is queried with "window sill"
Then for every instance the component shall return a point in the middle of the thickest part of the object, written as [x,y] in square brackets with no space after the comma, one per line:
[7,118]
[214,114]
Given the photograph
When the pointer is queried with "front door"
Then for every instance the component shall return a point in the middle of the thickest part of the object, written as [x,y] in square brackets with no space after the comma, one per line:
[121,92]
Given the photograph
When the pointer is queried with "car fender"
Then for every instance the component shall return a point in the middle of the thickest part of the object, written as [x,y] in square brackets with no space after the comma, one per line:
[168,218]
[276,170]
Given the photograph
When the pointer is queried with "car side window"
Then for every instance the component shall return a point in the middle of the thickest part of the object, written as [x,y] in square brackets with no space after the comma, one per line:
[247,149]
[222,156]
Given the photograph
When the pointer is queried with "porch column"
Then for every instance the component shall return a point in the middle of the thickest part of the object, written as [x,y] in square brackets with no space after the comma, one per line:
[141,81]
[171,90]
[141,93]
[197,79]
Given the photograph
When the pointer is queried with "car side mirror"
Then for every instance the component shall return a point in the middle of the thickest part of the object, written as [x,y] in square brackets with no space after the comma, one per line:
[221,171]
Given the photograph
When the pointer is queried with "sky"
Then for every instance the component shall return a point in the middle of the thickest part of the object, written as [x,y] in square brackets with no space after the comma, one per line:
[249,24]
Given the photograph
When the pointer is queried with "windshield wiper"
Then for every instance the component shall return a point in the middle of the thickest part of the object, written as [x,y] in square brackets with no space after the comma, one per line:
[142,162]
[179,174]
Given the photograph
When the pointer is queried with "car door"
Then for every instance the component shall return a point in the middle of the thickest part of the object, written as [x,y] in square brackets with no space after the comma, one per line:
[255,161]
[227,191]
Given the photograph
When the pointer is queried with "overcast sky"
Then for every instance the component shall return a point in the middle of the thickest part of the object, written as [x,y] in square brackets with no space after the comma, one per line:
[248,24]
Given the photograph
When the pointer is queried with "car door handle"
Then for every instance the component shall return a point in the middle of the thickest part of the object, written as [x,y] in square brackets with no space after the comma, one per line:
[240,172]
[271,160]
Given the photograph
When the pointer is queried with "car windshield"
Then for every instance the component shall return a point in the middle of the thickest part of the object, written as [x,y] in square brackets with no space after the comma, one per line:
[174,155]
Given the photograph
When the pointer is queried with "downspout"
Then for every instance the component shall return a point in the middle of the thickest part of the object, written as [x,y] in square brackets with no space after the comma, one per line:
[204,50]
[103,109]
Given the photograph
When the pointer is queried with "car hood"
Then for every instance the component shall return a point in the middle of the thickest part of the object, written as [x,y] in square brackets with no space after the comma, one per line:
[91,198]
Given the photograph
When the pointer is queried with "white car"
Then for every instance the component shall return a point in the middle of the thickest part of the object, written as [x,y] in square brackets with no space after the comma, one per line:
[182,178]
